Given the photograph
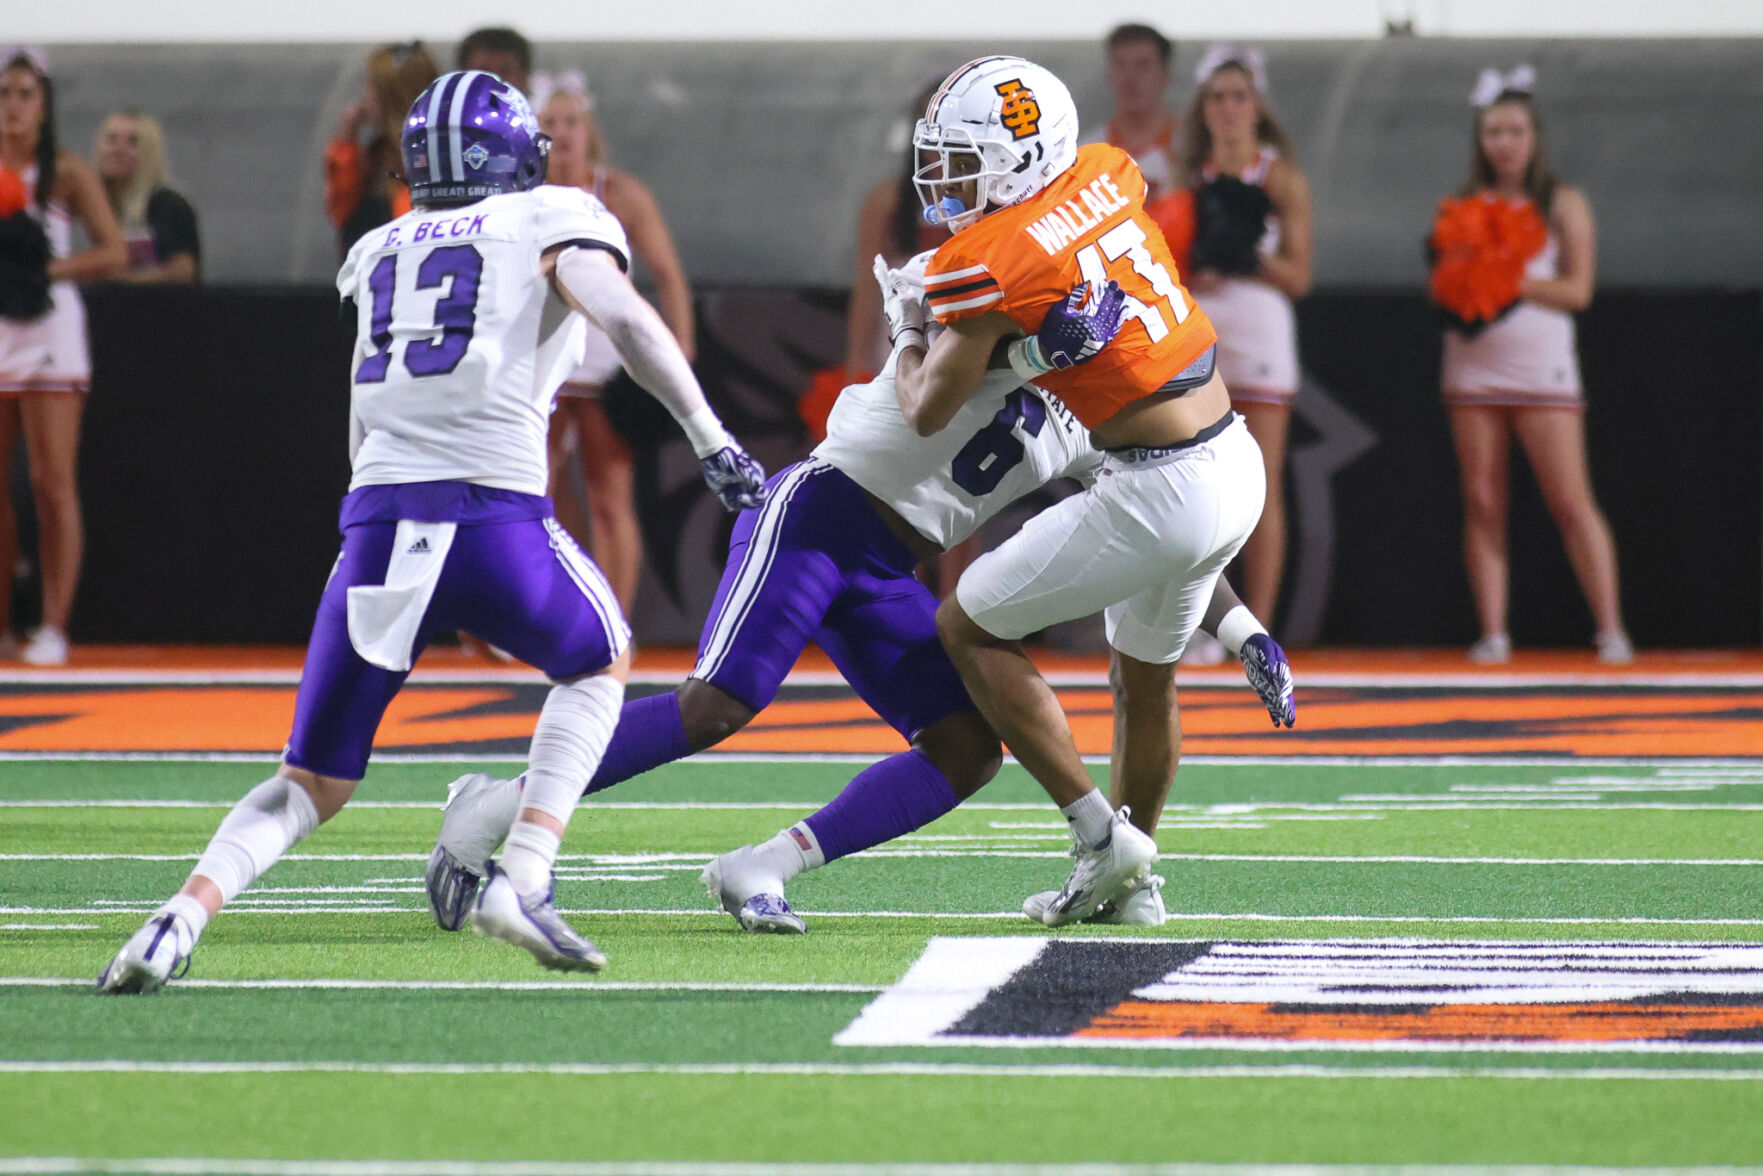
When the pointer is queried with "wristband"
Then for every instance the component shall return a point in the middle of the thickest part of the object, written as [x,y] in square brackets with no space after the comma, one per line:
[704,429]
[908,337]
[1026,359]
[1236,627]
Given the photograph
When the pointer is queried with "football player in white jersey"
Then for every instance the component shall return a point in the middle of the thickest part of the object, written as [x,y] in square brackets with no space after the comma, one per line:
[469,312]
[830,558]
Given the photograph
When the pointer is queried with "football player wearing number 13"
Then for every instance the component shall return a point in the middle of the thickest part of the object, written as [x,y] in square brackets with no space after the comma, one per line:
[464,332]
[1182,483]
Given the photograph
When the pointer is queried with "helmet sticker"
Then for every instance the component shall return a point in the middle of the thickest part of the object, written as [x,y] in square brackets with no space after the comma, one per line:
[1021,113]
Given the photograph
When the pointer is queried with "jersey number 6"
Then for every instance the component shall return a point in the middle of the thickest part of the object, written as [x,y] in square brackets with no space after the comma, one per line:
[1127,240]
[455,313]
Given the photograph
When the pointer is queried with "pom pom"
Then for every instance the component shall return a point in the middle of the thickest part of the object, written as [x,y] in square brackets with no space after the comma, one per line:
[24,267]
[1230,218]
[14,196]
[816,402]
[1174,214]
[1479,247]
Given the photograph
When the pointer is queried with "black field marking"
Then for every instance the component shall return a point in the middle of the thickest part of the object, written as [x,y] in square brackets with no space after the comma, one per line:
[1070,984]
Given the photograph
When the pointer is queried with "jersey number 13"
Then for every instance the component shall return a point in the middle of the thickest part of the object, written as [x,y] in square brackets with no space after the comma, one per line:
[461,267]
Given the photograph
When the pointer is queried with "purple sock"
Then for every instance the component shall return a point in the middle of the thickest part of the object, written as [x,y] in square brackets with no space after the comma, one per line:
[902,793]
[650,733]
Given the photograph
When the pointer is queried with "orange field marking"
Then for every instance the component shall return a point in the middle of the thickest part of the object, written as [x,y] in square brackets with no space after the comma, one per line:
[1606,1021]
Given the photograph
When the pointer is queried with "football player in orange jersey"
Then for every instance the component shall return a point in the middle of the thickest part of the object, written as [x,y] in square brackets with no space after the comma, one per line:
[1033,215]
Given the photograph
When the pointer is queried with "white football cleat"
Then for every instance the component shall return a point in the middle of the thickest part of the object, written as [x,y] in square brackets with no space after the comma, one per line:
[1142,906]
[480,810]
[1492,650]
[1102,871]
[530,921]
[742,883]
[158,952]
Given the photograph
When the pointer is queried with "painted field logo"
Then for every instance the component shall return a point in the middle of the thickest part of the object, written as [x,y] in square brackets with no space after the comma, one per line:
[1315,994]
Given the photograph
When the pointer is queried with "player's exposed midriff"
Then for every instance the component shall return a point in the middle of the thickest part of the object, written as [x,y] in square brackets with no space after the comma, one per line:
[1164,418]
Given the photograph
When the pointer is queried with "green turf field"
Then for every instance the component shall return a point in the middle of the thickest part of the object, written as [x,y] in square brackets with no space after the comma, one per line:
[325,1018]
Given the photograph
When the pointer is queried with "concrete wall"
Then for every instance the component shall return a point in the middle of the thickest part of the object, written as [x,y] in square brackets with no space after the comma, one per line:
[760,153]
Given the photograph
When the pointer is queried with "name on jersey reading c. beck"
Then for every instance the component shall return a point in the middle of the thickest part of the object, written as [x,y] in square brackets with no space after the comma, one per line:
[436,230]
[1092,205]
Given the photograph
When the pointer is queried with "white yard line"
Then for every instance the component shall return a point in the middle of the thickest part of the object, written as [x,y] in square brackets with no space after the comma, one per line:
[470,985]
[1382,803]
[691,860]
[964,1070]
[147,907]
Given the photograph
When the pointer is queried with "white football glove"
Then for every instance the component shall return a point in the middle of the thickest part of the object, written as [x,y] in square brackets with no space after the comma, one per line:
[902,293]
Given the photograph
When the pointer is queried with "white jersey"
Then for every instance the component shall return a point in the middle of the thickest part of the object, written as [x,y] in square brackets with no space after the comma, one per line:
[460,343]
[1009,439]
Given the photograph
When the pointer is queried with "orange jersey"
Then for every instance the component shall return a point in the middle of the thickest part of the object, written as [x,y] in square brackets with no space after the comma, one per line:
[1088,225]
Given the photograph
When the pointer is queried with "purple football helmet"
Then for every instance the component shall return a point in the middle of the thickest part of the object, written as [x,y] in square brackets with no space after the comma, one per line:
[471,135]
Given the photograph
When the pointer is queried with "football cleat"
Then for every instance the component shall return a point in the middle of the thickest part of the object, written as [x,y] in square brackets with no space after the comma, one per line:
[158,952]
[740,884]
[1141,906]
[532,922]
[1270,674]
[1119,863]
[480,810]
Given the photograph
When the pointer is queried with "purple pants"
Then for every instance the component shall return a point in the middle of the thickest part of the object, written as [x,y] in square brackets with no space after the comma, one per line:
[513,578]
[817,562]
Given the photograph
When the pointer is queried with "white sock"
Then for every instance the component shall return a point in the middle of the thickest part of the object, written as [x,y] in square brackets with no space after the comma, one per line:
[270,819]
[793,850]
[189,910]
[1091,816]
[528,855]
[1238,625]
[573,730]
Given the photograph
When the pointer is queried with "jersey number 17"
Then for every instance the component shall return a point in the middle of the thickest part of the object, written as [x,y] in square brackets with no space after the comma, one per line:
[1127,240]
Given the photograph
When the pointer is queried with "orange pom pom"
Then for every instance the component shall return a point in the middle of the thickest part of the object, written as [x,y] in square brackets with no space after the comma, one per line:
[14,196]
[816,403]
[1480,245]
[1174,214]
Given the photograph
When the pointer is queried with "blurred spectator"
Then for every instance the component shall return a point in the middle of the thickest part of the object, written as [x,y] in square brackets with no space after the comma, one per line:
[1142,125]
[361,165]
[580,421]
[1514,257]
[158,224]
[45,364]
[500,51]
[891,223]
[1247,260]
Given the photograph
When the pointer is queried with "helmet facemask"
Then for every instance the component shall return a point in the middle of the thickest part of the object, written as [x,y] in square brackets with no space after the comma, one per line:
[960,177]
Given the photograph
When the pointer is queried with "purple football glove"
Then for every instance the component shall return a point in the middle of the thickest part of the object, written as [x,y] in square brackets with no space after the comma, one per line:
[1073,331]
[734,477]
[1268,671]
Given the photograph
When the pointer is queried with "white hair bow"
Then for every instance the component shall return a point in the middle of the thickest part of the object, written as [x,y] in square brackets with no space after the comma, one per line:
[570,82]
[1224,53]
[1492,83]
[38,60]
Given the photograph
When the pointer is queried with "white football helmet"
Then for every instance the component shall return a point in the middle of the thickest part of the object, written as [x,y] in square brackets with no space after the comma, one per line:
[999,129]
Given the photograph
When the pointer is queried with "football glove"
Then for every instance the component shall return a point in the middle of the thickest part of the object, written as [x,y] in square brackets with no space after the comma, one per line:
[902,293]
[1072,331]
[1268,671]
[734,477]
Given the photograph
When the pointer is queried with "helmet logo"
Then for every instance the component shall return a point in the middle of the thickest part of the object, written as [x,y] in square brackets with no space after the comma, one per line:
[475,156]
[1021,113]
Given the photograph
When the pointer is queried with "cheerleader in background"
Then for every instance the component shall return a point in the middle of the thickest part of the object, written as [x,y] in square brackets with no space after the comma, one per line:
[45,363]
[361,188]
[1514,257]
[1244,224]
[580,422]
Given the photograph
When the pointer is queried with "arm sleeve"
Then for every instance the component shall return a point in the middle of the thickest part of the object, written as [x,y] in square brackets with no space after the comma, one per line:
[959,286]
[173,223]
[569,216]
[643,342]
